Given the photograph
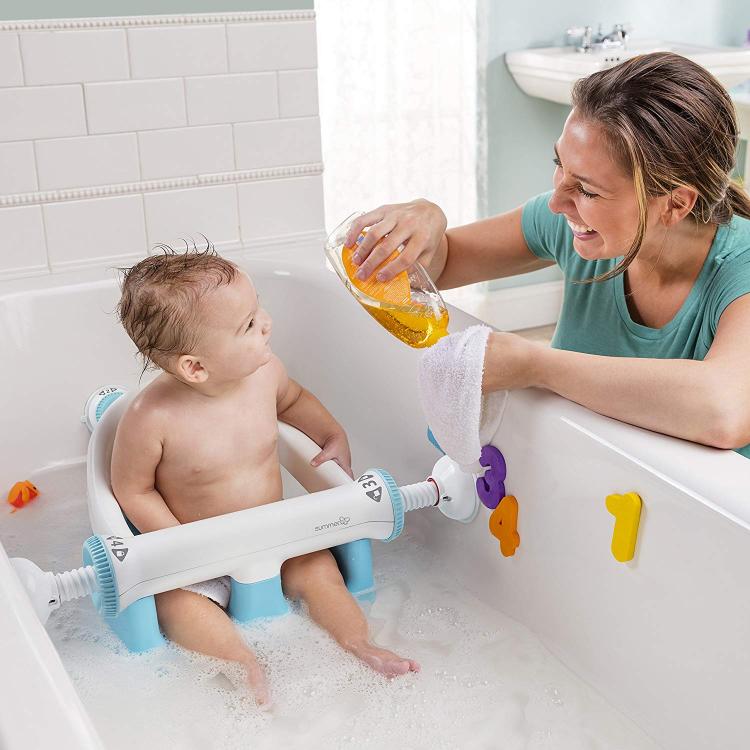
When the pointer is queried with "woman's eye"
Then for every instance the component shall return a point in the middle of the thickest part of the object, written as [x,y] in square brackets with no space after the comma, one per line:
[556,161]
[585,193]
[250,324]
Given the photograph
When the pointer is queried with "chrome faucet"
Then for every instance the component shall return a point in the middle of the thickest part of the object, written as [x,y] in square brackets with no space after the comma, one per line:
[590,42]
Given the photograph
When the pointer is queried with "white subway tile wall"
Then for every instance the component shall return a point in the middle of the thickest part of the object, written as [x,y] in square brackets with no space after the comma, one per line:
[41,112]
[17,168]
[231,98]
[269,46]
[119,133]
[270,208]
[88,160]
[23,250]
[74,56]
[187,151]
[181,51]
[186,214]
[10,60]
[277,142]
[100,230]
[298,93]
[135,105]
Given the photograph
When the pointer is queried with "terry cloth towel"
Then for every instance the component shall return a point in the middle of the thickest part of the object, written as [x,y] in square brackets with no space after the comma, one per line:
[450,388]
[215,589]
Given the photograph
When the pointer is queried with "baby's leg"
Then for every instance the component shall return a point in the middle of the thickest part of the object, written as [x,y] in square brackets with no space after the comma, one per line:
[315,578]
[198,624]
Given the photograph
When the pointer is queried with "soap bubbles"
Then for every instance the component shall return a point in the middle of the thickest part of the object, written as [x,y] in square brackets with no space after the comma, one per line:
[483,677]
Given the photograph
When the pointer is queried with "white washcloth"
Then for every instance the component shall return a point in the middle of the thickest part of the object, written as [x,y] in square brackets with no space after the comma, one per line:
[450,387]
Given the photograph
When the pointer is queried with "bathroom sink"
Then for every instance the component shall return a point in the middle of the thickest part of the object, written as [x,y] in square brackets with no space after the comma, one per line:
[550,72]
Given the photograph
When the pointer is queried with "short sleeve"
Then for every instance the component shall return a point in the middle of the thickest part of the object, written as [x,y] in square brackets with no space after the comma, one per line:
[546,233]
[732,282]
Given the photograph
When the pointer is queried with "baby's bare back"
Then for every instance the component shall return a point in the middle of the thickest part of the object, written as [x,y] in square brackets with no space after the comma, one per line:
[219,453]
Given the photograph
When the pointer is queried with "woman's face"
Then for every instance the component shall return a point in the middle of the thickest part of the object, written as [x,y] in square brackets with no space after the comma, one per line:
[593,192]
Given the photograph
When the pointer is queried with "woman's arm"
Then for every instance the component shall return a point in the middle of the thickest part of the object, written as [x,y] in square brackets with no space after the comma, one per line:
[487,249]
[707,402]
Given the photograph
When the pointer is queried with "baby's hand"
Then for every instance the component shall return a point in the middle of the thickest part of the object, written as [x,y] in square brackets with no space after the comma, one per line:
[336,448]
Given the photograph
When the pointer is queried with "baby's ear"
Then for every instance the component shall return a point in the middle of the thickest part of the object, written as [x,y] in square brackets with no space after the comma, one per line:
[190,368]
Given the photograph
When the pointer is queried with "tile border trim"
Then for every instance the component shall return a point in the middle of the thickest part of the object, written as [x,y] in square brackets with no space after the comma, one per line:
[126,22]
[151,186]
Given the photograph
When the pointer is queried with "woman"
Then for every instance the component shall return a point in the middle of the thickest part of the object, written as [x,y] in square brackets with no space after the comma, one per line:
[653,239]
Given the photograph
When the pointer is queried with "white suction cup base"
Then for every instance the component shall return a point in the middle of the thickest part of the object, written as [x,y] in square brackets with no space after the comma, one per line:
[457,490]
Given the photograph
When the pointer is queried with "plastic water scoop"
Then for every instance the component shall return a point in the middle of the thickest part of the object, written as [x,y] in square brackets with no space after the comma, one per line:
[408,306]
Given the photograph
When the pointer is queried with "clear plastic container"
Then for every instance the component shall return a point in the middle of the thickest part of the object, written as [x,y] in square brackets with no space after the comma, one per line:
[409,307]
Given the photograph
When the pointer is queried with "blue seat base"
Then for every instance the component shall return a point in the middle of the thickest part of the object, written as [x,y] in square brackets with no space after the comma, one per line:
[138,627]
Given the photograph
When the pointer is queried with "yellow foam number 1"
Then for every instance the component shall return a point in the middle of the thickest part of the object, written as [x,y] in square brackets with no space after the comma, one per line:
[627,512]
[503,525]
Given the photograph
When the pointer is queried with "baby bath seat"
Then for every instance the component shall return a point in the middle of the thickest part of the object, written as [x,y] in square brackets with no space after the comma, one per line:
[123,569]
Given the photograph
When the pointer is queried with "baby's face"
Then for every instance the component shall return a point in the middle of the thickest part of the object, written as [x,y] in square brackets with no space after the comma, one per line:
[235,331]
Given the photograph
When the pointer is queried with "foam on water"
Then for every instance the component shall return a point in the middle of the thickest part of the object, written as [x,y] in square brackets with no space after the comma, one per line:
[486,681]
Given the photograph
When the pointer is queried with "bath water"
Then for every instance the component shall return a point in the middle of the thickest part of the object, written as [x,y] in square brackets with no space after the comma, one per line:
[486,681]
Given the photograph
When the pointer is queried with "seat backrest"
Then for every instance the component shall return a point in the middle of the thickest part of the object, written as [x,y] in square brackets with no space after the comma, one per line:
[296,450]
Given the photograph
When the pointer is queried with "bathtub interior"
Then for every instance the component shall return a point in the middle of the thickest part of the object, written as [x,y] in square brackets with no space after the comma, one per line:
[444,592]
[473,657]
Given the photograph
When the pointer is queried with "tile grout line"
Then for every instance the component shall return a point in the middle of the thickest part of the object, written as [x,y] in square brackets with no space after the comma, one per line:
[127,54]
[20,59]
[42,212]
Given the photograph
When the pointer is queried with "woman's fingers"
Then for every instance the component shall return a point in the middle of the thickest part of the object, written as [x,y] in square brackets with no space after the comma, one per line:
[366,220]
[381,251]
[418,225]
[413,248]
[374,234]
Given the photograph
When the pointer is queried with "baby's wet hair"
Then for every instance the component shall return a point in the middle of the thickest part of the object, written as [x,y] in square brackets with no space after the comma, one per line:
[161,295]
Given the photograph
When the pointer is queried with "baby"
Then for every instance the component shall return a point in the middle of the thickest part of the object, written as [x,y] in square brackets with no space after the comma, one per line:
[200,440]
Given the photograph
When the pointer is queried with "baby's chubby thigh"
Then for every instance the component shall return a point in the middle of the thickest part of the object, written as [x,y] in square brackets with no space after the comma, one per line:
[301,576]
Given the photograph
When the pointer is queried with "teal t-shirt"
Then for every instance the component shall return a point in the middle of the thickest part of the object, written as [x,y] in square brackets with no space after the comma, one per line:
[595,317]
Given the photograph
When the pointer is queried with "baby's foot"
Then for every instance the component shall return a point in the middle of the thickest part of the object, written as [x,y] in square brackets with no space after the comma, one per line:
[384,661]
[258,685]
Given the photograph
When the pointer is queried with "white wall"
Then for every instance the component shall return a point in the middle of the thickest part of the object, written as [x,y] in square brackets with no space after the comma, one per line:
[118,133]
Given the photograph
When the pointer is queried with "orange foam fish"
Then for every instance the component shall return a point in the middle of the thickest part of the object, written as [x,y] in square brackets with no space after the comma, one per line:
[397,291]
[21,493]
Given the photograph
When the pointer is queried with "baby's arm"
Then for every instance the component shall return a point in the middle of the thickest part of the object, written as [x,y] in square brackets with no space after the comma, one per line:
[136,453]
[298,407]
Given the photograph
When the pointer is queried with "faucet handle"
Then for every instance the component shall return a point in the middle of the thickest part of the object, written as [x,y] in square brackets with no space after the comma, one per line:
[578,31]
[622,30]
[584,33]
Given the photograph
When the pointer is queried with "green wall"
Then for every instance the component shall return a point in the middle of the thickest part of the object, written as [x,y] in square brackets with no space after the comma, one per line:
[14,10]
[521,130]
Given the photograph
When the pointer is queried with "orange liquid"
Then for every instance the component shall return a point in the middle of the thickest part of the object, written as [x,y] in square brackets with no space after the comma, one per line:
[418,330]
[417,324]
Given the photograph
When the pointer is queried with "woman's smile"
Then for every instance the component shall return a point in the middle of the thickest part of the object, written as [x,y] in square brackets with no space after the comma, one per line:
[581,231]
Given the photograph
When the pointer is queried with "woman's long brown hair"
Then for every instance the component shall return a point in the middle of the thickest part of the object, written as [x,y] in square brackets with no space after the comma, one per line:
[670,124]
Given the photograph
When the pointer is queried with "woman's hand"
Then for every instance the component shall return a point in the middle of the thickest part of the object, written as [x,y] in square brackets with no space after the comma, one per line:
[419,226]
[335,448]
[510,361]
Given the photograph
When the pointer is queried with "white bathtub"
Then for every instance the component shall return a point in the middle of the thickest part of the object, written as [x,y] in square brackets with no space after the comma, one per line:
[665,638]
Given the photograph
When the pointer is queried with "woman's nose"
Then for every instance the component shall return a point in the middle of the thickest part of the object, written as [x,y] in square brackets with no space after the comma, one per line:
[559,201]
